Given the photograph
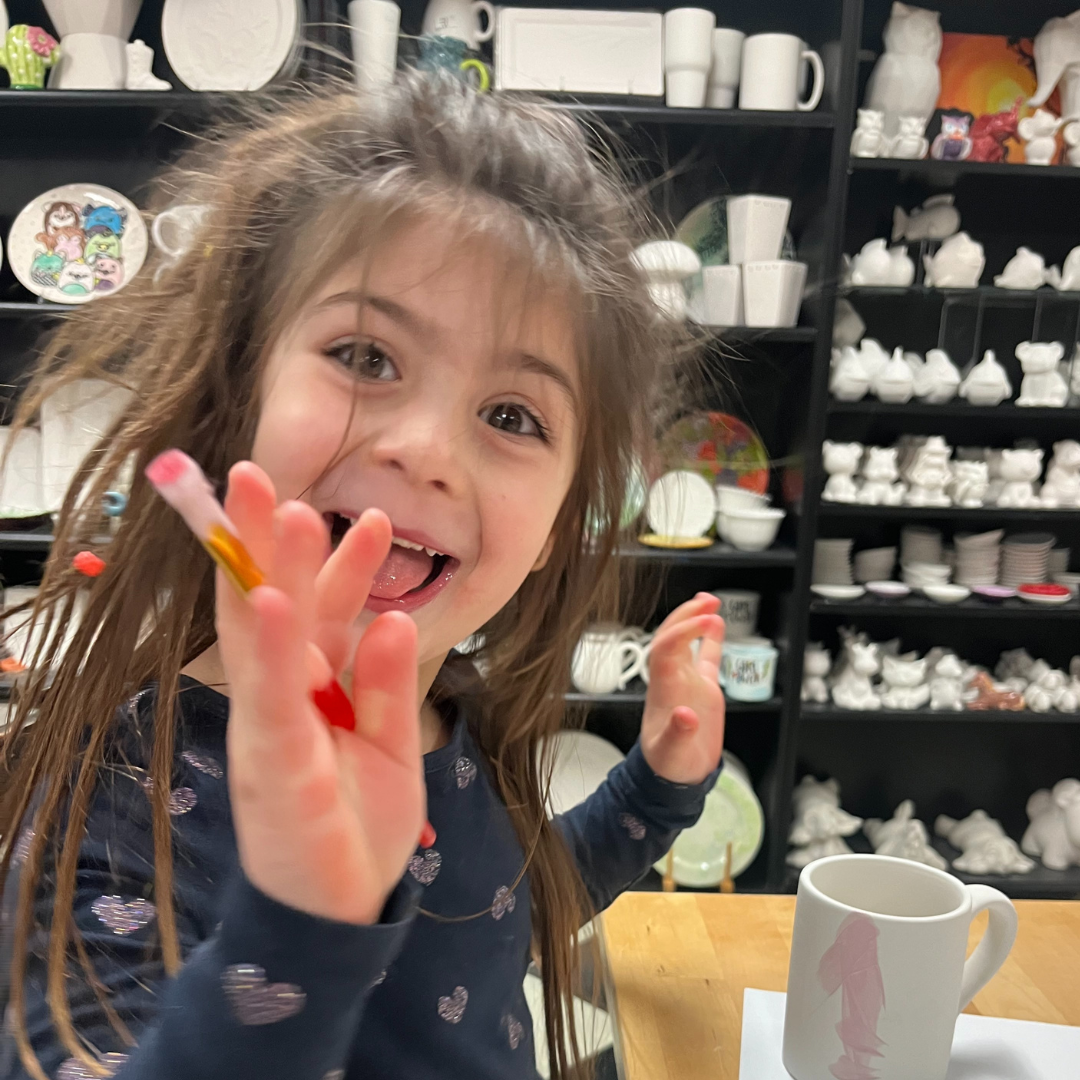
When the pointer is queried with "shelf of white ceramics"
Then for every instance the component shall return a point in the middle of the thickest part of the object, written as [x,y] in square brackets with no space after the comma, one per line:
[717,555]
[33,309]
[652,111]
[920,606]
[990,294]
[945,172]
[634,697]
[809,711]
[1005,412]
[1008,516]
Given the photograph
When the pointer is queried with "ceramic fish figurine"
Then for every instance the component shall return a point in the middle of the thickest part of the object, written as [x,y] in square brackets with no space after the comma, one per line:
[957,264]
[1025,270]
[936,219]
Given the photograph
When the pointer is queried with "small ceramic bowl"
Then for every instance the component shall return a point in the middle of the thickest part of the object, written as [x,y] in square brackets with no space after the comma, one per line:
[947,594]
[838,592]
[890,590]
[1069,580]
[750,530]
[736,498]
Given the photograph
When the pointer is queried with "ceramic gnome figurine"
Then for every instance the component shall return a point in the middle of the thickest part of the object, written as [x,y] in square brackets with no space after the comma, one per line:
[818,823]
[936,219]
[1038,132]
[816,664]
[905,80]
[880,474]
[957,264]
[841,461]
[986,847]
[868,138]
[1054,832]
[1061,489]
[903,837]
[1020,469]
[1043,384]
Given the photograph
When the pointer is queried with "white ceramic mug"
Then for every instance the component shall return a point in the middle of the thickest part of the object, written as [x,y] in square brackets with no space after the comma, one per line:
[174,229]
[90,62]
[726,64]
[687,56]
[739,609]
[374,25]
[605,661]
[769,79]
[877,975]
[721,296]
[748,669]
[459,19]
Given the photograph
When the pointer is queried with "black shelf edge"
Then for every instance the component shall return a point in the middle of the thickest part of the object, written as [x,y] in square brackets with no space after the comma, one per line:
[1006,412]
[25,541]
[182,100]
[947,171]
[636,699]
[32,309]
[655,112]
[920,606]
[752,335]
[719,555]
[989,293]
[983,513]
[809,711]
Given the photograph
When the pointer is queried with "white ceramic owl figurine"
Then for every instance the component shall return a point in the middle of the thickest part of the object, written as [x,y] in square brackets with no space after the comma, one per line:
[910,142]
[868,138]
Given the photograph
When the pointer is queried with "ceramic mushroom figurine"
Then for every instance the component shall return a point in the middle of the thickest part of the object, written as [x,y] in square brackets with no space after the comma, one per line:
[986,383]
[1043,384]
[1025,270]
[986,847]
[1038,132]
[936,219]
[666,264]
[818,823]
[1054,832]
[957,264]
[903,837]
[868,139]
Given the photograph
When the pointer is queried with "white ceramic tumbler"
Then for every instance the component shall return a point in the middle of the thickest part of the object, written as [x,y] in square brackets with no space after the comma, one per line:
[374,25]
[726,64]
[756,227]
[687,56]
[771,66]
[772,292]
[877,974]
[722,296]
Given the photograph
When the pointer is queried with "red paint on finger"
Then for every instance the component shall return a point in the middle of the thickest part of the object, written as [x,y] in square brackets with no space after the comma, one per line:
[334,704]
[427,835]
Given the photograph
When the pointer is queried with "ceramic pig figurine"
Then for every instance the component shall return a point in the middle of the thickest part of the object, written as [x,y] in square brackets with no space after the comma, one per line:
[958,263]
[1054,832]
[1043,384]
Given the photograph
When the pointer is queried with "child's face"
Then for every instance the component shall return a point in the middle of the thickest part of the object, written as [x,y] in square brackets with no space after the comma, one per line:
[434,415]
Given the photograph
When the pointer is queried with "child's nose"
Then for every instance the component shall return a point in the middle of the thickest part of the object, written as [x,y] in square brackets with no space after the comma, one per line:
[424,449]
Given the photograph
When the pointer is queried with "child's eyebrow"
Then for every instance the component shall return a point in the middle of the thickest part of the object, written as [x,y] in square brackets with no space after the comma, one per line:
[539,366]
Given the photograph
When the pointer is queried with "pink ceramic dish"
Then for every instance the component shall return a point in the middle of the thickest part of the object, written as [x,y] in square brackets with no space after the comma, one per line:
[994,592]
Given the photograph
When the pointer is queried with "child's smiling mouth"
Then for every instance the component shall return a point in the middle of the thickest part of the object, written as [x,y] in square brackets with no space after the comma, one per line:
[413,573]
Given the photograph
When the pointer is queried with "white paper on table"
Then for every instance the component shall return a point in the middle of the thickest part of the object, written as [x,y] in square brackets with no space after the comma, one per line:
[984,1048]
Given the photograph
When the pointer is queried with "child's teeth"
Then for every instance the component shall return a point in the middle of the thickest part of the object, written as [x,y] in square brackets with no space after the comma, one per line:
[431,551]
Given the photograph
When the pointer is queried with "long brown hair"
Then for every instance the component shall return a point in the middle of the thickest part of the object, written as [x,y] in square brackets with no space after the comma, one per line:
[292,192]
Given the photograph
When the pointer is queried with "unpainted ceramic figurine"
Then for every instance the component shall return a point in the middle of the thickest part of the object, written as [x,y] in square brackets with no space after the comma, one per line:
[665,265]
[986,847]
[957,264]
[928,474]
[936,219]
[140,61]
[852,688]
[1043,384]
[841,462]
[1038,131]
[905,682]
[947,683]
[1020,469]
[816,664]
[910,142]
[873,264]
[901,267]
[848,377]
[868,139]
[938,379]
[819,823]
[970,483]
[905,80]
[1061,489]
[1025,270]
[1068,278]
[986,383]
[1074,380]
[894,382]
[903,837]
[1071,134]
[1056,46]
[1054,832]
[880,473]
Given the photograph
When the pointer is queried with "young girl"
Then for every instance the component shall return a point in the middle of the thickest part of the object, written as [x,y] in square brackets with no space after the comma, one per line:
[418,317]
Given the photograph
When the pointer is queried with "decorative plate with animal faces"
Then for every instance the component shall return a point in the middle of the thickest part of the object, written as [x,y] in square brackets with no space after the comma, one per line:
[77,243]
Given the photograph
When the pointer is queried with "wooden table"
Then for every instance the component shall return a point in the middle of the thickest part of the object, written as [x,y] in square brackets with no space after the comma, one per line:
[678,964]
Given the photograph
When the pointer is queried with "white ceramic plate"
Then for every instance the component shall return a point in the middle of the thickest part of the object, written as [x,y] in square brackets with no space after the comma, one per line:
[582,762]
[224,45]
[732,814]
[893,590]
[838,592]
[77,243]
[681,503]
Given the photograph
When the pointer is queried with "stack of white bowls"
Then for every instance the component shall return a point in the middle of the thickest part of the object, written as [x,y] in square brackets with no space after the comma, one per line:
[1024,557]
[875,564]
[919,575]
[920,545]
[832,562]
[745,519]
[978,557]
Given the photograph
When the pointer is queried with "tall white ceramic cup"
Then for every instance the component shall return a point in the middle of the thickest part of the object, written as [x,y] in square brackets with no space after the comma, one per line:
[877,975]
[726,64]
[769,78]
[687,55]
[374,25]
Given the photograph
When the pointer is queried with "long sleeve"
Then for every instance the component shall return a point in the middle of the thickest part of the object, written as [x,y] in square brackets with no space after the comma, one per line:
[265,991]
[628,823]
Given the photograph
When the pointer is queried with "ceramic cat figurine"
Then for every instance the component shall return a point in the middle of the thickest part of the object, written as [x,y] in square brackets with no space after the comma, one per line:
[868,138]
[880,473]
[905,80]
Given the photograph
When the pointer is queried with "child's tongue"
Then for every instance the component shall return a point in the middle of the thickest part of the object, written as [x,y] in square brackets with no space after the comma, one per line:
[403,570]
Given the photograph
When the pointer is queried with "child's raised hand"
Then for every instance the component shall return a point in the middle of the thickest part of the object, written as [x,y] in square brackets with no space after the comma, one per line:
[325,819]
[682,728]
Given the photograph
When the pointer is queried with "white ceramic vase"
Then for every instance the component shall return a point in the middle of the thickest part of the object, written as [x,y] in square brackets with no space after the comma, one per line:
[113,17]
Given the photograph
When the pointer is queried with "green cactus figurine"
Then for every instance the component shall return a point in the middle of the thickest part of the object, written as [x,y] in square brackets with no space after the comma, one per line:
[26,53]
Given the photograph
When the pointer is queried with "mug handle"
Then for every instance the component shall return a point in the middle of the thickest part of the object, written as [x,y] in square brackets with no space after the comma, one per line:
[489,11]
[814,99]
[629,649]
[994,947]
[155,232]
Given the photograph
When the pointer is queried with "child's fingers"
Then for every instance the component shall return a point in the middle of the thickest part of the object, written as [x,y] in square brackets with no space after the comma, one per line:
[702,604]
[712,647]
[384,685]
[299,550]
[250,502]
[669,643]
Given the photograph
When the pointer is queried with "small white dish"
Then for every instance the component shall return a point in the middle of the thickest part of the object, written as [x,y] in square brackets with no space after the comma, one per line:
[947,594]
[750,529]
[736,498]
[838,592]
[891,590]
[682,504]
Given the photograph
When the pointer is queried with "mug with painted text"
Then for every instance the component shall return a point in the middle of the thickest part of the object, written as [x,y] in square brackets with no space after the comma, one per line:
[877,974]
[770,75]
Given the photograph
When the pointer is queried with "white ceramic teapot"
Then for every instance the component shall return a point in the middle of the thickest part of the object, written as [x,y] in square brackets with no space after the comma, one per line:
[957,264]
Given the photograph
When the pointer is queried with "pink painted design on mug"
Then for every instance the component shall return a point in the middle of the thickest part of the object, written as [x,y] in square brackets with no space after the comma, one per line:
[850,965]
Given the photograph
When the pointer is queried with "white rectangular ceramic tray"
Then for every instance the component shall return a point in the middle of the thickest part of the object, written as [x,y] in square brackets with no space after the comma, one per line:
[579,52]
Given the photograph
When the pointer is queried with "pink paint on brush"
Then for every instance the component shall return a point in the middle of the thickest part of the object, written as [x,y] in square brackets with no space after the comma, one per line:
[851,966]
[182,484]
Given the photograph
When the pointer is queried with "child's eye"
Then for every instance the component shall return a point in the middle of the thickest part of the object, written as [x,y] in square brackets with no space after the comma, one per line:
[365,361]
[515,420]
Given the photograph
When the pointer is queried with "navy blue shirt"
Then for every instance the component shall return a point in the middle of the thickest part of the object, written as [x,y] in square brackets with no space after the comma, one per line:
[267,991]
